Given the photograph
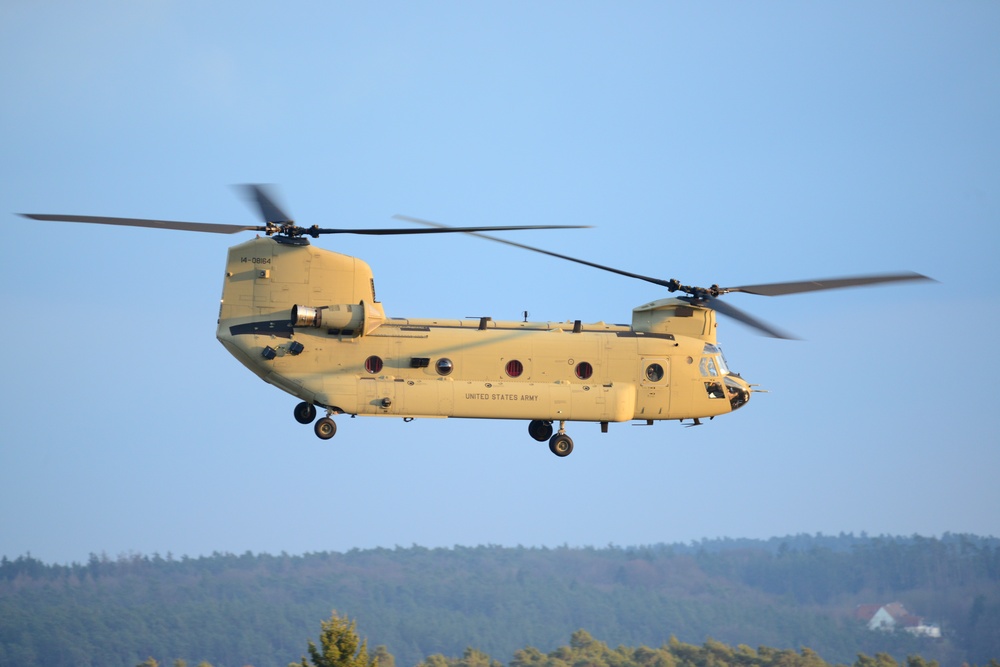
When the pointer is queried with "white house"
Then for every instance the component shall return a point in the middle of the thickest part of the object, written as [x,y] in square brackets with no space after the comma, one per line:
[893,616]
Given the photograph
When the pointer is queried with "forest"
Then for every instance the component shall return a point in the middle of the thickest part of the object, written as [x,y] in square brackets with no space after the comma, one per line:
[516,605]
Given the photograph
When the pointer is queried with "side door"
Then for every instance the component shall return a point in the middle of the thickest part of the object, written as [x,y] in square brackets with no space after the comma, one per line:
[653,400]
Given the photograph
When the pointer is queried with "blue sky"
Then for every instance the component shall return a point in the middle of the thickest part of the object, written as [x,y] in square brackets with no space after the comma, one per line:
[727,143]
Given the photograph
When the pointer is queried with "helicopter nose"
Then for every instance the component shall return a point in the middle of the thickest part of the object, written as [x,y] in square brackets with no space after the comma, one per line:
[738,391]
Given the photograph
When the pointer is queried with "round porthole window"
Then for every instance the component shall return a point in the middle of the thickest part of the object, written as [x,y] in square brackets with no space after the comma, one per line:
[444,366]
[373,364]
[514,368]
[654,372]
[584,370]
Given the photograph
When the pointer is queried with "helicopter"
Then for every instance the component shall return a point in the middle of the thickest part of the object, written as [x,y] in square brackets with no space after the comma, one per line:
[306,320]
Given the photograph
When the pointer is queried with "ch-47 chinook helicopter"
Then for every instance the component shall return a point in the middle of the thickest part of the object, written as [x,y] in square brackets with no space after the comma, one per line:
[306,320]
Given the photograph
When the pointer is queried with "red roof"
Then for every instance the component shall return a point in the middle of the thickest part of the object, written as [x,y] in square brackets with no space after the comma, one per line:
[864,612]
[896,610]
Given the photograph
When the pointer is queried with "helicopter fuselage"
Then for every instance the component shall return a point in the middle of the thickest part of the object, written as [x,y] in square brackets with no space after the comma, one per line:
[306,320]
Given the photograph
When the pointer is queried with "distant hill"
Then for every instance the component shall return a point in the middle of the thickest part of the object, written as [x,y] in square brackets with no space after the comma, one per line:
[233,610]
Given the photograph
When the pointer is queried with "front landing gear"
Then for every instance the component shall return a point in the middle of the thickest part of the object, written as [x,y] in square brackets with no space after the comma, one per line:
[561,445]
[540,430]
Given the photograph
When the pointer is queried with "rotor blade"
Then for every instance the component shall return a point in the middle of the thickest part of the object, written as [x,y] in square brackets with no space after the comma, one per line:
[729,310]
[264,197]
[471,231]
[213,228]
[780,289]
[441,230]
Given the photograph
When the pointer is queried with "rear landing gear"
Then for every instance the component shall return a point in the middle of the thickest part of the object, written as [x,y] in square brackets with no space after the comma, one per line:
[325,428]
[305,413]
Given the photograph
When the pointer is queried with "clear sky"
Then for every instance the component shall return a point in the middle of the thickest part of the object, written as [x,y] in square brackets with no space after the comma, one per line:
[715,142]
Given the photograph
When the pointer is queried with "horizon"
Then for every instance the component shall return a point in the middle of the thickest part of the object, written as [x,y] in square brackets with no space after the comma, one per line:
[170,557]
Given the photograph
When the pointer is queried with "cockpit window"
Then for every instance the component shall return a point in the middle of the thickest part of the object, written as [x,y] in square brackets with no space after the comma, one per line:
[714,390]
[738,393]
[723,366]
[708,367]
[715,351]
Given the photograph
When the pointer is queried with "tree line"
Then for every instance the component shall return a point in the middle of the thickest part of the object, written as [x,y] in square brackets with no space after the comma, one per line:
[230,609]
[340,646]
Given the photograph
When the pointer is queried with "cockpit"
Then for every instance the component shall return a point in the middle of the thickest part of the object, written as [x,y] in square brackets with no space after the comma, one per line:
[720,382]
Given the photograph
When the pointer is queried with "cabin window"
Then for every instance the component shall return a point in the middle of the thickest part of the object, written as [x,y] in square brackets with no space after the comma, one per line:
[514,368]
[708,367]
[373,364]
[584,370]
[654,372]
[444,366]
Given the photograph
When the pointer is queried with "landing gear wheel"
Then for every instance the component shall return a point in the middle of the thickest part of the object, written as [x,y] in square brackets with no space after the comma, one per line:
[305,413]
[561,444]
[540,430]
[325,428]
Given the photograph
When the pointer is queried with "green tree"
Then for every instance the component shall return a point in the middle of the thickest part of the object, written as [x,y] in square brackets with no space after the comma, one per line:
[885,660]
[383,658]
[475,658]
[435,660]
[339,646]
[528,657]
[470,658]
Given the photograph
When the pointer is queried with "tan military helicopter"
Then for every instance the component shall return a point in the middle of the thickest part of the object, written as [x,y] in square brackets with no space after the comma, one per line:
[306,320]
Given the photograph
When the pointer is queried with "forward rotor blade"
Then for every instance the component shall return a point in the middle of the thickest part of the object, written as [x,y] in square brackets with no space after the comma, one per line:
[473,231]
[729,310]
[264,198]
[212,228]
[781,289]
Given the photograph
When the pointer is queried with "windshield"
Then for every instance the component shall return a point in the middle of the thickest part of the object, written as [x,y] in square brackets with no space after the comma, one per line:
[719,360]
[723,366]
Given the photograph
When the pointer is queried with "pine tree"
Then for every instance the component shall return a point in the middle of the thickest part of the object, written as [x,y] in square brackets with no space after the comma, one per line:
[339,646]
[383,658]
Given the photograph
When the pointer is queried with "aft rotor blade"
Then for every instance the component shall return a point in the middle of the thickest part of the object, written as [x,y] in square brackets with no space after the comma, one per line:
[212,228]
[441,230]
[475,232]
[781,289]
[732,311]
[272,213]
[264,197]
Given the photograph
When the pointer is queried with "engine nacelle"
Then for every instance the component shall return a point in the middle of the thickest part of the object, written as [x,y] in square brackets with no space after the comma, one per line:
[341,318]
